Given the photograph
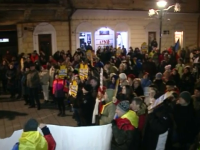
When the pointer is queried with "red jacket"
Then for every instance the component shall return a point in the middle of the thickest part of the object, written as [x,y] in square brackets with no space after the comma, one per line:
[34,58]
[49,138]
[124,124]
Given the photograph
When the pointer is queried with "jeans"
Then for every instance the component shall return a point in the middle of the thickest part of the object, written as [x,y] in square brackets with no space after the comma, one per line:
[34,96]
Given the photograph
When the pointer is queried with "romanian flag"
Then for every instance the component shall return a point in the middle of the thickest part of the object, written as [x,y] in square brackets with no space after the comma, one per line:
[177,46]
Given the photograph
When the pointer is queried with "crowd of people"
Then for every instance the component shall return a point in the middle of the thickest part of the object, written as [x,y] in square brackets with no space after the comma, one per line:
[130,84]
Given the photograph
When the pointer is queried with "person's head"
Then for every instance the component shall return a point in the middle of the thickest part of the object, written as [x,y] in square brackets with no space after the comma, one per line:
[114,79]
[44,67]
[122,66]
[86,89]
[122,108]
[184,98]
[127,90]
[31,125]
[146,75]
[136,83]
[101,92]
[170,85]
[4,62]
[174,71]
[27,69]
[159,76]
[107,64]
[180,60]
[122,77]
[186,69]
[11,66]
[109,95]
[197,92]
[56,76]
[93,82]
[131,77]
[136,104]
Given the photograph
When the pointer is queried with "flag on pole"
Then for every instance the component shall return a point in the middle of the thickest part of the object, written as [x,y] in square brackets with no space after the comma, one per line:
[177,46]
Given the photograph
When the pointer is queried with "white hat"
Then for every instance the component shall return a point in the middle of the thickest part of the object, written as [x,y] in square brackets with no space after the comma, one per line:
[122,76]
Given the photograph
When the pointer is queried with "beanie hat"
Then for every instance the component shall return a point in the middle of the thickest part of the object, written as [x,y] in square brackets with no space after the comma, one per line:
[124,106]
[44,66]
[31,125]
[87,87]
[122,76]
[102,90]
[159,76]
[132,76]
[186,96]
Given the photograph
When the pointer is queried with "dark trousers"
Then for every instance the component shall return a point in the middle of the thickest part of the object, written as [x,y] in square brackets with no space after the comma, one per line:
[4,85]
[77,116]
[61,104]
[34,96]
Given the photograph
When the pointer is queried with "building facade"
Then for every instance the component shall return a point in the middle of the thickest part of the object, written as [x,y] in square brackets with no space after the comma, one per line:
[60,25]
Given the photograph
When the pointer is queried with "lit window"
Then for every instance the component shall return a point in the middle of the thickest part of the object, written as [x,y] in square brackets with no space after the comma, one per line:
[179,36]
[4,40]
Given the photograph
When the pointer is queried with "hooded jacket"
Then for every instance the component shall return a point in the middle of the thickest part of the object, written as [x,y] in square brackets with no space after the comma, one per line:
[108,109]
[125,132]
[33,140]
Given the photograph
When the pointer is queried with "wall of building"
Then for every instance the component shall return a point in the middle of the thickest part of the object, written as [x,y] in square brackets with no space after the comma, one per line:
[138,25]
[25,37]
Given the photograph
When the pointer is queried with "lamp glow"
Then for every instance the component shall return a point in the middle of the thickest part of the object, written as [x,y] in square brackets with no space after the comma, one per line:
[161,4]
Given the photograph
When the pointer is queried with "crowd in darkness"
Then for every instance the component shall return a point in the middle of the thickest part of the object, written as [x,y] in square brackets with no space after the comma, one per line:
[172,125]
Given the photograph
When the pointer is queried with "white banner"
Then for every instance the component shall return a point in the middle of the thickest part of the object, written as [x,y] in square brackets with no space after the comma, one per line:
[71,138]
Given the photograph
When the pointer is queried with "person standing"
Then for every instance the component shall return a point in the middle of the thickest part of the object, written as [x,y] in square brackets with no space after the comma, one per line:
[44,78]
[33,82]
[3,70]
[11,77]
[58,92]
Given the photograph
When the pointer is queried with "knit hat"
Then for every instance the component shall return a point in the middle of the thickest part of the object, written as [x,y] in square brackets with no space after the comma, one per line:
[159,76]
[186,96]
[31,125]
[122,76]
[44,66]
[132,76]
[102,90]
[88,87]
[124,106]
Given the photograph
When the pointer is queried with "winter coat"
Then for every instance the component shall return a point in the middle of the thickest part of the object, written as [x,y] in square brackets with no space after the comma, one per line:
[184,117]
[187,82]
[58,88]
[44,77]
[157,128]
[125,132]
[87,108]
[35,141]
[33,79]
[3,70]
[11,76]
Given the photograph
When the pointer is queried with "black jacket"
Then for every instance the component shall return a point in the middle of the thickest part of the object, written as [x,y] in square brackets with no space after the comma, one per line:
[157,123]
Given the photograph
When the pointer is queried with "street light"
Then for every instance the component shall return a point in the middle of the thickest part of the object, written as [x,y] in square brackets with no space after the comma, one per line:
[162,4]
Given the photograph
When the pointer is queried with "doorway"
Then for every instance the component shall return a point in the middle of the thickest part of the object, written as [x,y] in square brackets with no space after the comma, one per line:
[179,36]
[8,42]
[45,44]
[85,38]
